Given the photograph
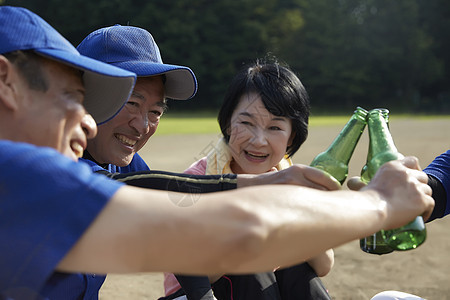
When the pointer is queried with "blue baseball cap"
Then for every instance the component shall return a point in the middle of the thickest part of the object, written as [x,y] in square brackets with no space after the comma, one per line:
[134,49]
[107,87]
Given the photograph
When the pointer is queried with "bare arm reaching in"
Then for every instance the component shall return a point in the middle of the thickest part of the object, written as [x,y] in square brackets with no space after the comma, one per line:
[250,225]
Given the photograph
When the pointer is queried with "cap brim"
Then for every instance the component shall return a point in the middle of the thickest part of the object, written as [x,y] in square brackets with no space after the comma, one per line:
[107,87]
[180,84]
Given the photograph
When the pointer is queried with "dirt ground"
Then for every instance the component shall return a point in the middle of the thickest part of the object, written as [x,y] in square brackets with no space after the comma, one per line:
[356,275]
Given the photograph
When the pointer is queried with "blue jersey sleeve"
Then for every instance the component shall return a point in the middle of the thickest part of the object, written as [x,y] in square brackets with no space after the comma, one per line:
[47,201]
[94,166]
[137,164]
[440,169]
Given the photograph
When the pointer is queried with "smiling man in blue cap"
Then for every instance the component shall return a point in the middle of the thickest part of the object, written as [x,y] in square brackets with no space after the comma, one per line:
[115,147]
[134,49]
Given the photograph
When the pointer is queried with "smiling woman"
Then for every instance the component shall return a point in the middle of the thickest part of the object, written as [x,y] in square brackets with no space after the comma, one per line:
[264,121]
[258,139]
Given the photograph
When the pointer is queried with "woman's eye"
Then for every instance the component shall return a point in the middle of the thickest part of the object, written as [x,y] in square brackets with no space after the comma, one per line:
[274,128]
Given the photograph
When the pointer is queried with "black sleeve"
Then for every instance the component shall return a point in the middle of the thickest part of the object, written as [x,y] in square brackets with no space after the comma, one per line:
[177,182]
[439,196]
[196,287]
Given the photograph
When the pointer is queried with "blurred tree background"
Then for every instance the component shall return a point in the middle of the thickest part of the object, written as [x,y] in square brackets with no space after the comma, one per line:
[348,53]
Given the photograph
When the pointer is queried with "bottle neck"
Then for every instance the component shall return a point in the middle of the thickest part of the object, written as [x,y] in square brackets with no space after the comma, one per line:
[344,144]
[381,146]
[385,113]
[379,135]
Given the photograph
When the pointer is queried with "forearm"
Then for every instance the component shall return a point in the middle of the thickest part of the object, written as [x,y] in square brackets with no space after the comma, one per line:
[177,182]
[247,230]
[198,184]
[222,233]
[309,228]
[322,263]
[297,175]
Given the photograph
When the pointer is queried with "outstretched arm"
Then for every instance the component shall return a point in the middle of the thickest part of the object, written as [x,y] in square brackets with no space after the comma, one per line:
[188,183]
[297,174]
[244,230]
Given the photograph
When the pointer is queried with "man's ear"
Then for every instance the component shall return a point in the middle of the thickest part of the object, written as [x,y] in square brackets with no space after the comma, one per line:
[8,75]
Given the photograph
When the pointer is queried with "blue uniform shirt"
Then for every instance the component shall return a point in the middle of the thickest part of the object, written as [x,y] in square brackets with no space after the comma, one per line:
[47,201]
[137,164]
[440,169]
[78,285]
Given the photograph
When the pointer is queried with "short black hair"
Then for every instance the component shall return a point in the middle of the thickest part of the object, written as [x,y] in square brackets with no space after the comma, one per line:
[281,91]
[29,65]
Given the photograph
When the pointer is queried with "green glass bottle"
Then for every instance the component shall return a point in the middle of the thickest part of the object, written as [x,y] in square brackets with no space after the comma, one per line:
[374,244]
[334,160]
[385,113]
[382,149]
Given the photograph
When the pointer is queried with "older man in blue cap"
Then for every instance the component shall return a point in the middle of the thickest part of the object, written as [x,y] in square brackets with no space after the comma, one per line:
[46,87]
[115,147]
[132,48]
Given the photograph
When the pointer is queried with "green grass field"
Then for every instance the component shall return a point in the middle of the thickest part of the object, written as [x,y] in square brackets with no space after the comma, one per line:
[179,124]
